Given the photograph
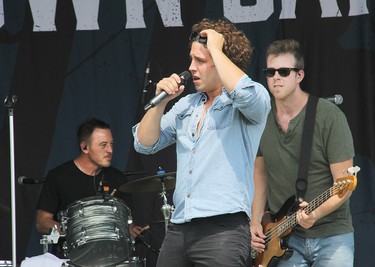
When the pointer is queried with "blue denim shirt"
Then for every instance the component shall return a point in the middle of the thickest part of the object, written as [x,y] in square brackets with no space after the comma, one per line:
[215,167]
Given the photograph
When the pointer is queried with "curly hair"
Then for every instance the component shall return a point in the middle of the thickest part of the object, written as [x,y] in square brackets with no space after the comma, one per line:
[237,46]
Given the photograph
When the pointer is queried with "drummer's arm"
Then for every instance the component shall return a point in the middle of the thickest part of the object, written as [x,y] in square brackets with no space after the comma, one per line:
[45,222]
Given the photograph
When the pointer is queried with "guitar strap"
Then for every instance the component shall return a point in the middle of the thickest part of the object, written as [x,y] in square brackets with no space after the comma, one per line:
[305,153]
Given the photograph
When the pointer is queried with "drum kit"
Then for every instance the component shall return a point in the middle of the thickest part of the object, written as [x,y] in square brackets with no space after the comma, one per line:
[96,228]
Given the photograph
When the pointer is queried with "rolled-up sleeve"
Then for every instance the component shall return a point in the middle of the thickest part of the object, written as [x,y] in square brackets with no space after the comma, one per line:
[139,147]
[251,98]
[165,139]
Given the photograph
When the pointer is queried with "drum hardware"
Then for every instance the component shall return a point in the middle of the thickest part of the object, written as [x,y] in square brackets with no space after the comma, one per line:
[166,208]
[163,182]
[52,238]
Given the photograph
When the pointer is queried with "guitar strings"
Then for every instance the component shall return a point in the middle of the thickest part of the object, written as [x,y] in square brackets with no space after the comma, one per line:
[281,228]
[290,221]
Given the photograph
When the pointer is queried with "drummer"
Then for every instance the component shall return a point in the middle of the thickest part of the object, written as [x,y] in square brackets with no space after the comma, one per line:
[89,174]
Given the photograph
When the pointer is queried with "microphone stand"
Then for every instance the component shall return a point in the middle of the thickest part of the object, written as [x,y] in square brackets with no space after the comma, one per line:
[9,103]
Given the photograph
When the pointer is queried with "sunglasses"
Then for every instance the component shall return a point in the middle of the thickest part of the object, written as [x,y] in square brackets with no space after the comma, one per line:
[195,36]
[283,72]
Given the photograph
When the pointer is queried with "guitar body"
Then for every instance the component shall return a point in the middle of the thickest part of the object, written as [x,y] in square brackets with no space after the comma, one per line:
[277,247]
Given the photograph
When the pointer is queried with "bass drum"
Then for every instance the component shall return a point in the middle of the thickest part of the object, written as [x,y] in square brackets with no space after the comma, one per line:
[96,231]
[133,262]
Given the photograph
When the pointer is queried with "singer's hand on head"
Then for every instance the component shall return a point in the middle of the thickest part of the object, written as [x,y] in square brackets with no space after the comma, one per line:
[215,40]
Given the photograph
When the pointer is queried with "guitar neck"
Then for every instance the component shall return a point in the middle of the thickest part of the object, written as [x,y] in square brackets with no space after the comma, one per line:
[291,220]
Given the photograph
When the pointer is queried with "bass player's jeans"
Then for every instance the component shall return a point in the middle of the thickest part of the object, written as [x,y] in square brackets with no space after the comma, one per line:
[331,251]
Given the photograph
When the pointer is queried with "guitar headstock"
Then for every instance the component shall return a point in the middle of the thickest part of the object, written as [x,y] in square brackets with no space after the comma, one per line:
[343,184]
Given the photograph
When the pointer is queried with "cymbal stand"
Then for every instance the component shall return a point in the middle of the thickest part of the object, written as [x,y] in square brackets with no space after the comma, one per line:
[166,208]
[9,103]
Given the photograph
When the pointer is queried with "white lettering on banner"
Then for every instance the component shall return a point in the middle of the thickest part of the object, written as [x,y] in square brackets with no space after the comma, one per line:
[170,11]
[134,15]
[87,11]
[358,7]
[44,12]
[236,13]
[330,9]
[288,9]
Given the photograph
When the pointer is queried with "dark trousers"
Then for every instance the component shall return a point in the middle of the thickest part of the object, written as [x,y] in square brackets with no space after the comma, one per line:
[222,240]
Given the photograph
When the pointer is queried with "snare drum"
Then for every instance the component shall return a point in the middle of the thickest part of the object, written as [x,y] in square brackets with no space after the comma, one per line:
[96,231]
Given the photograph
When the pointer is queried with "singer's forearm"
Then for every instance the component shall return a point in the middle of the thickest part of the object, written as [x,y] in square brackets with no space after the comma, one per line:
[229,73]
[149,128]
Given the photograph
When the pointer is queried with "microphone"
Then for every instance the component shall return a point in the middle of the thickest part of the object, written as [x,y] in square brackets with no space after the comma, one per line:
[10,101]
[336,99]
[146,82]
[184,76]
[22,180]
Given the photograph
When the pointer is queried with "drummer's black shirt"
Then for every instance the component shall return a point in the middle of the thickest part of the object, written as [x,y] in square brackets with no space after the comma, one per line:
[66,184]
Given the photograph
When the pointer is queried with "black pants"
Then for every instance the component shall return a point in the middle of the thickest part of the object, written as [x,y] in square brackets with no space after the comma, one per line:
[222,240]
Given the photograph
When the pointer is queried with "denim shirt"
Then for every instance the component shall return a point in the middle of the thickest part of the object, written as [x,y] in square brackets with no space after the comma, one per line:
[215,166]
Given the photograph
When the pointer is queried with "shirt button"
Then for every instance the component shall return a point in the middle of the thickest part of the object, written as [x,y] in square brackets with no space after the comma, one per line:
[193,134]
[190,171]
[188,196]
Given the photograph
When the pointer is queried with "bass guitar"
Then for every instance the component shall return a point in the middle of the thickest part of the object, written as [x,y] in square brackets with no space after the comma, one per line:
[278,226]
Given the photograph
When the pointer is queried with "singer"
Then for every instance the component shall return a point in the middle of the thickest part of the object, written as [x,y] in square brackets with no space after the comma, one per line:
[217,132]
[324,236]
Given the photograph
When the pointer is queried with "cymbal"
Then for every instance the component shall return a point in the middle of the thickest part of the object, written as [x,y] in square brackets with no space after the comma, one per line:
[136,172]
[150,184]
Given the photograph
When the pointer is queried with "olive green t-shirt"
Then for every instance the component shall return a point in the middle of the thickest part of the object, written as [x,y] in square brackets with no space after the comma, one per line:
[332,143]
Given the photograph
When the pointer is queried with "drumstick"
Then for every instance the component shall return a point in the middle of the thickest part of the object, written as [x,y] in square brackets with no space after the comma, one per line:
[145,228]
[113,192]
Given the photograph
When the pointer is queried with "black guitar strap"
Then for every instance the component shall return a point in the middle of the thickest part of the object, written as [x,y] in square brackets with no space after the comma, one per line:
[307,136]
